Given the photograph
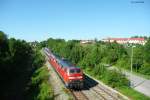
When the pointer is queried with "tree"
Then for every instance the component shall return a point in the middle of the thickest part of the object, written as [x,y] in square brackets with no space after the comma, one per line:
[3,45]
[116,79]
[137,57]
[4,56]
[147,51]
[145,67]
[76,53]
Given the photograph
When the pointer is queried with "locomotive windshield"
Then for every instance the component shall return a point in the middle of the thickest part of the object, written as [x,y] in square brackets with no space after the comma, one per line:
[78,70]
[74,71]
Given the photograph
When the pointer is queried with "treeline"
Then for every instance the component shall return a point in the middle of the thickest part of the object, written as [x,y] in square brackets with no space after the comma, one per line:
[145,37]
[90,55]
[19,64]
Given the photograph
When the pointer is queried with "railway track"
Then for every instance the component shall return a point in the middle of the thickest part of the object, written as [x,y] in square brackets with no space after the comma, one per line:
[103,94]
[114,97]
[96,92]
[101,91]
[79,95]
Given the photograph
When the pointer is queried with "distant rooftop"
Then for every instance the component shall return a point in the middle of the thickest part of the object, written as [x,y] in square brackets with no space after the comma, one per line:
[141,41]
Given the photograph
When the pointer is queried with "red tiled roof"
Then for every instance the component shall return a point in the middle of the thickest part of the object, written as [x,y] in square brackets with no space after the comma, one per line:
[141,39]
[125,39]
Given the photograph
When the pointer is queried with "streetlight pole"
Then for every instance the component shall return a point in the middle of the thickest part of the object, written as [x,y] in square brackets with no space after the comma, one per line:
[131,58]
[132,83]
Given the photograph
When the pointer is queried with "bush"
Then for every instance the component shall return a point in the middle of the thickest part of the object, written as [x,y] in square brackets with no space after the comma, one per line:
[38,60]
[45,92]
[123,63]
[115,79]
[99,70]
[145,69]
[39,88]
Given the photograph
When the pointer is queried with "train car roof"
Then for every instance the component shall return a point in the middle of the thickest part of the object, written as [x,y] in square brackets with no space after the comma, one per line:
[65,63]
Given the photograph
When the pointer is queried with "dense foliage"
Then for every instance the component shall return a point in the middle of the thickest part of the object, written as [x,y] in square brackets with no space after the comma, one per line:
[18,63]
[39,88]
[90,55]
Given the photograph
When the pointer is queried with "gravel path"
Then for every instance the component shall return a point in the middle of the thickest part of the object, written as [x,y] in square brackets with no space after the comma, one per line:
[138,83]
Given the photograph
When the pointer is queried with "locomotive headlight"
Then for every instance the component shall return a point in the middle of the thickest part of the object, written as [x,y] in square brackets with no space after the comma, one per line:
[77,77]
[70,80]
[71,77]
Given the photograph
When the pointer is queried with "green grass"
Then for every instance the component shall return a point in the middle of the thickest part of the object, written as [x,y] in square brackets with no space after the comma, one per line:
[132,94]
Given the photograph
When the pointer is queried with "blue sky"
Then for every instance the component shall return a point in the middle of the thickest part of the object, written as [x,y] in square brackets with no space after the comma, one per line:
[74,19]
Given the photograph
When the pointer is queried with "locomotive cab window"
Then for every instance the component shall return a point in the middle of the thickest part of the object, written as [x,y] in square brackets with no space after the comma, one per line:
[71,71]
[74,71]
[78,70]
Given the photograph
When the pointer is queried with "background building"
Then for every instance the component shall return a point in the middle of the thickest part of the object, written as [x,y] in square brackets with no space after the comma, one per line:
[141,41]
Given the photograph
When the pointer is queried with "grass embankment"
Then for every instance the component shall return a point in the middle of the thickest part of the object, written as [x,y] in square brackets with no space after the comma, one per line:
[40,89]
[117,81]
[132,94]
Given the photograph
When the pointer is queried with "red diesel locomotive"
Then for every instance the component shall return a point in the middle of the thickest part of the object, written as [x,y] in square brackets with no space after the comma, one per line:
[69,73]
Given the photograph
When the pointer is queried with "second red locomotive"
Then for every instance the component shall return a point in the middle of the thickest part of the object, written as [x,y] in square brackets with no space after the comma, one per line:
[69,73]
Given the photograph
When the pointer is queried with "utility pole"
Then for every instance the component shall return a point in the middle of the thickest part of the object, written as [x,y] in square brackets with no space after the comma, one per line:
[131,58]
